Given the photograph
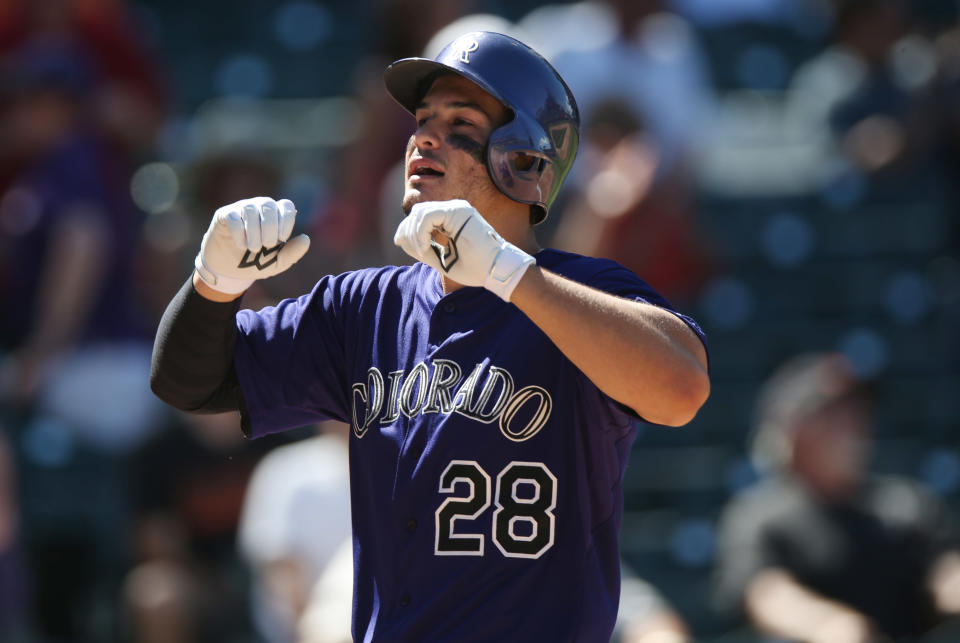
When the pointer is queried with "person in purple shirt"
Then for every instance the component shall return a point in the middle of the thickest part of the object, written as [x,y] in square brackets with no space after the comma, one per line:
[493,387]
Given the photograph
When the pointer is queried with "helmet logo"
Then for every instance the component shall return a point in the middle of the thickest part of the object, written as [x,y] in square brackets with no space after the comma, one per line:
[467,50]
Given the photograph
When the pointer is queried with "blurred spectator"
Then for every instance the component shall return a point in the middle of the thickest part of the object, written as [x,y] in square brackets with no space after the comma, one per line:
[620,212]
[188,486]
[67,226]
[873,88]
[296,516]
[69,232]
[823,551]
[128,102]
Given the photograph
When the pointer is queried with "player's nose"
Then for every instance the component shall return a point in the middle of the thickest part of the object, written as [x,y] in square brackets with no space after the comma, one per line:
[427,135]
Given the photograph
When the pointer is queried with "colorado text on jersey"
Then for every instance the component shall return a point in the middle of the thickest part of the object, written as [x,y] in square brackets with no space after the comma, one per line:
[432,387]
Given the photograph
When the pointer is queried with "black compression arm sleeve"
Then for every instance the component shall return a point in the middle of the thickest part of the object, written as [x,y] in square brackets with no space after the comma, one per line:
[192,366]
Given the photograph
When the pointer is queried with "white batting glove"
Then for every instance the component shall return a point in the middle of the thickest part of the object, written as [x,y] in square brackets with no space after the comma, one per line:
[249,240]
[453,239]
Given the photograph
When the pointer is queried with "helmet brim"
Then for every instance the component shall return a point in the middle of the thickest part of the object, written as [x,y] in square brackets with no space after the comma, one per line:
[406,80]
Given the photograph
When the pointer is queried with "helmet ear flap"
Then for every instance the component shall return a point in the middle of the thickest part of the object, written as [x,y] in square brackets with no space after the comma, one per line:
[520,174]
[525,162]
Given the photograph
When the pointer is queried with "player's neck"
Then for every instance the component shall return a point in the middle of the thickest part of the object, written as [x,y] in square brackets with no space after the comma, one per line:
[514,226]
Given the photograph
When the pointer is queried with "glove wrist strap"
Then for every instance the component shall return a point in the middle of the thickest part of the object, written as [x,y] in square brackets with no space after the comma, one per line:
[507,270]
[227,285]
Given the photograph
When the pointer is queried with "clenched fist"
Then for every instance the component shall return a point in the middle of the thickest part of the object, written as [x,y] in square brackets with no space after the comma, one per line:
[249,240]
[453,239]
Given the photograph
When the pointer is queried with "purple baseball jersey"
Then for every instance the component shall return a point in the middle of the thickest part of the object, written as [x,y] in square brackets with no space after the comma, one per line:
[485,468]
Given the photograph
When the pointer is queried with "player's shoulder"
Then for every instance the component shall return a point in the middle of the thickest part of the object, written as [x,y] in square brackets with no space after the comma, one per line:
[577,266]
[603,274]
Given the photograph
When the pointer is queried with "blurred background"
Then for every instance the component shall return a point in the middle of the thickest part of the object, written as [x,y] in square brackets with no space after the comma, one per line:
[786,171]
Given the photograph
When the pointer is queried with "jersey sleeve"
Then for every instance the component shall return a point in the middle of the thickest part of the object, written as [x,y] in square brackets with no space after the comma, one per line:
[290,361]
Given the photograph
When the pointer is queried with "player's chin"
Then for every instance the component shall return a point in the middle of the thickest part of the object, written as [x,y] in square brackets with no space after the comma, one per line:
[410,199]
[413,196]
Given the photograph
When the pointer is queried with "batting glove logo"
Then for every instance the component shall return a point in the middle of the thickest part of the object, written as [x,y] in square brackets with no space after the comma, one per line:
[447,252]
[264,258]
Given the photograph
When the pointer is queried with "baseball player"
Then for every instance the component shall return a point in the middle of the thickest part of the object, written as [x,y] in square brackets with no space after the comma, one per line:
[492,387]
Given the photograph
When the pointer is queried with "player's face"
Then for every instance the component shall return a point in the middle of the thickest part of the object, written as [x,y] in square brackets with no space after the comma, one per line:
[833,445]
[446,156]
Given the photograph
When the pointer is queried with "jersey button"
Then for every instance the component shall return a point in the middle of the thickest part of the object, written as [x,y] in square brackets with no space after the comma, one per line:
[404,600]
[449,307]
[411,525]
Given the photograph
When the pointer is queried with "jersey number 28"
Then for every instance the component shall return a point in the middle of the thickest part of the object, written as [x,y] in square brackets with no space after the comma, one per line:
[526,494]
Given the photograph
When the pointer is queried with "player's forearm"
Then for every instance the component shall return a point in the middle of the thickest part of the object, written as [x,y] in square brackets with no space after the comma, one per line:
[192,366]
[638,354]
[943,582]
[779,605]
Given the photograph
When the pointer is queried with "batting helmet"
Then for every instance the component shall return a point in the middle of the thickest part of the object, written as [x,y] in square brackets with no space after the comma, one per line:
[545,121]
